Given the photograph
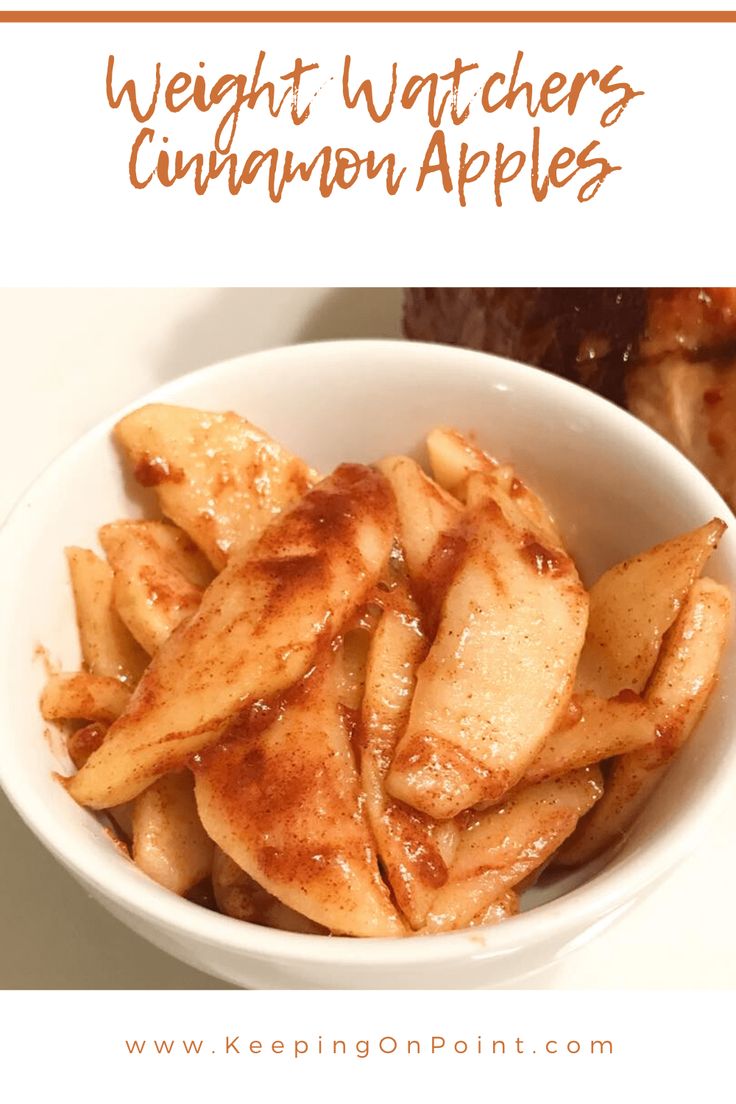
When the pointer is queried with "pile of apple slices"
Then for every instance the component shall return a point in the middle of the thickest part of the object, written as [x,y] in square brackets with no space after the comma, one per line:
[373,704]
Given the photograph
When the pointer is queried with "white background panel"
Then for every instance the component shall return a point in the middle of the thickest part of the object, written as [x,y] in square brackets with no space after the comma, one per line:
[68,217]
[69,211]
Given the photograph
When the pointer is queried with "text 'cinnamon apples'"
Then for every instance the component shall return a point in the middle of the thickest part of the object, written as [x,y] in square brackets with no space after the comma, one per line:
[256,632]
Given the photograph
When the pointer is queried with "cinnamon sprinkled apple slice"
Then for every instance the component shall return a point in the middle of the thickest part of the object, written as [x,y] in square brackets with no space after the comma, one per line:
[257,631]
[632,606]
[219,477]
[500,670]
[503,846]
[285,805]
[414,849]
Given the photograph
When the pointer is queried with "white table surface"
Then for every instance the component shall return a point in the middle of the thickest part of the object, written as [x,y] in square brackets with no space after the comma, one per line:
[69,358]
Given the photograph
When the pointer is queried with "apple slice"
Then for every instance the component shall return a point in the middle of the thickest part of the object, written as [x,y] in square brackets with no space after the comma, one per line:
[426,512]
[500,671]
[77,695]
[596,729]
[502,846]
[633,605]
[107,645]
[677,694]
[237,895]
[257,631]
[169,842]
[159,577]
[454,459]
[507,904]
[285,805]
[412,847]
[220,478]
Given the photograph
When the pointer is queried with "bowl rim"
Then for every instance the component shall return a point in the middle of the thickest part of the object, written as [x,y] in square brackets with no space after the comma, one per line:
[607,893]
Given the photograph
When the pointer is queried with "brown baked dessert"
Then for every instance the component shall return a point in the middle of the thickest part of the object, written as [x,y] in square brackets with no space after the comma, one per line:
[667,354]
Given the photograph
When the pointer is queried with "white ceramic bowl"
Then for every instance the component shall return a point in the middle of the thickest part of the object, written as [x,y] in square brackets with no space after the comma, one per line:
[616,487]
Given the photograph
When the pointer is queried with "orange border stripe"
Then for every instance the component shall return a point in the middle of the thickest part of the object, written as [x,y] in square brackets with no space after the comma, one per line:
[367,17]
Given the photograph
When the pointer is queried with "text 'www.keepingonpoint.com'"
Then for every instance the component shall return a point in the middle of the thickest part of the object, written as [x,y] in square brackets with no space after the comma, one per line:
[366,1047]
